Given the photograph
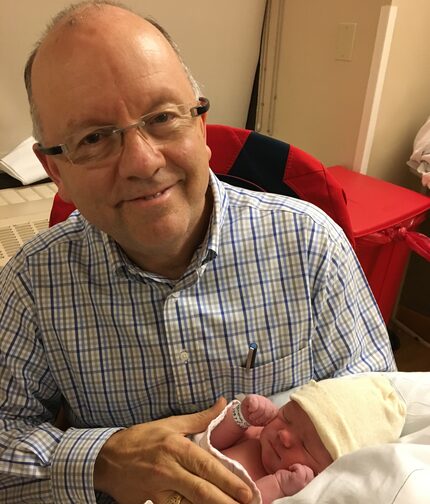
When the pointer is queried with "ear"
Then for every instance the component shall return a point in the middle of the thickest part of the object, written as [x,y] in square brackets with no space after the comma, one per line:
[53,172]
[203,124]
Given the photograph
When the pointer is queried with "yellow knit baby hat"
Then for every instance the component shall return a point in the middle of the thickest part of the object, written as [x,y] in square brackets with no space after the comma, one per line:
[350,413]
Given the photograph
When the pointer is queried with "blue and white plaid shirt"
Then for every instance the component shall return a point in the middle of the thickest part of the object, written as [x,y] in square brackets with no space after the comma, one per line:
[79,321]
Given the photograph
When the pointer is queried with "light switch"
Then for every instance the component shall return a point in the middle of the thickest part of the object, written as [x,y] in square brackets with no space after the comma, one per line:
[345,41]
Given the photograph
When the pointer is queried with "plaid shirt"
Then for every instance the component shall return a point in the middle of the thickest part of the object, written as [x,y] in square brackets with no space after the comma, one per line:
[79,321]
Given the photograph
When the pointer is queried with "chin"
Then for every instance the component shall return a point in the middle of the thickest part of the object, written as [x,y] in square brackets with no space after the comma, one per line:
[160,226]
[167,231]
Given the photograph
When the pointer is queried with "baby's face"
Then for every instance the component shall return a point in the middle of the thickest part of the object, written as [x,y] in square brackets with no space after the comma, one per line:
[292,438]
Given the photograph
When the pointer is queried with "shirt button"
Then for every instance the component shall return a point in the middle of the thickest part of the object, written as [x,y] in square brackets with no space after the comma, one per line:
[183,355]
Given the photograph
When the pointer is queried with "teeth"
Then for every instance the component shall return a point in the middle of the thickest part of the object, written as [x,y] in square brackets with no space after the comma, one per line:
[152,196]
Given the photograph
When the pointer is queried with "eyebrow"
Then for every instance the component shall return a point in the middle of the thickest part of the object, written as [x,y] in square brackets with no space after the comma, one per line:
[75,125]
[282,410]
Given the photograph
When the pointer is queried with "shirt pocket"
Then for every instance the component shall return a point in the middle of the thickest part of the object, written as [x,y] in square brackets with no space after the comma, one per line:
[268,379]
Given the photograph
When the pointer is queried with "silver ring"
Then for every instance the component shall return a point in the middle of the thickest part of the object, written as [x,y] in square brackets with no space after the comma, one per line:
[174,499]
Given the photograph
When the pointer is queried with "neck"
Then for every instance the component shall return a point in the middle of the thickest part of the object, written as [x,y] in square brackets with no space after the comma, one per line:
[175,257]
[171,266]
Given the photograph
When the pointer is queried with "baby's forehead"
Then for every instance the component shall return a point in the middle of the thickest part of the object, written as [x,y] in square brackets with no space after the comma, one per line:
[291,410]
[289,406]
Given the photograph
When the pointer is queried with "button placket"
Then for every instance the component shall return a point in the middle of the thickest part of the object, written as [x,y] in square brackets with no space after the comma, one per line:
[183,356]
[179,356]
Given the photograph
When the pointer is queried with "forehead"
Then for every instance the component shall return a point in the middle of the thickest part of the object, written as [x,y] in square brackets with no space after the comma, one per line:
[103,63]
[292,412]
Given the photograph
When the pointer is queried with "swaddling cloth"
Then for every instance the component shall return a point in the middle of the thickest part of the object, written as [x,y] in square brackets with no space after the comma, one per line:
[203,440]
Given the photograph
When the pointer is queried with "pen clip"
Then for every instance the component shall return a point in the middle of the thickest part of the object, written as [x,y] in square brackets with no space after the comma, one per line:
[250,358]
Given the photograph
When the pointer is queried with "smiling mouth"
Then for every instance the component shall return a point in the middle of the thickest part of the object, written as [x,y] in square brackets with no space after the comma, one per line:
[150,197]
[136,198]
[153,196]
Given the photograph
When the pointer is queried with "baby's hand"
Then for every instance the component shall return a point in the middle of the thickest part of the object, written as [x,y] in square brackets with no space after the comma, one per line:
[258,410]
[293,479]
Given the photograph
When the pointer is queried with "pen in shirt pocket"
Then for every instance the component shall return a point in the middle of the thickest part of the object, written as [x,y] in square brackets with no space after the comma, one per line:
[250,358]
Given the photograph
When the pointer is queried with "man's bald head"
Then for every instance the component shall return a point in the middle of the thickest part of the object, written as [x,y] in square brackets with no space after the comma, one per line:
[72,18]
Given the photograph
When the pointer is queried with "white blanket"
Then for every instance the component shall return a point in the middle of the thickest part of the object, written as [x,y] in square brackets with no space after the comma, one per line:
[395,473]
[420,157]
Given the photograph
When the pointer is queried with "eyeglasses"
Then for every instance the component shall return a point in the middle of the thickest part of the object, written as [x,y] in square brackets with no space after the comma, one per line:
[159,128]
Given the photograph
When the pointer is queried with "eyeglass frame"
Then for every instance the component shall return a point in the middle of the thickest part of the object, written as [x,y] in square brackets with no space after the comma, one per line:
[55,150]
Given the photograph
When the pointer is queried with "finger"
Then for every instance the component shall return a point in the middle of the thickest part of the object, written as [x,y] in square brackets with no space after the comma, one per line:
[204,468]
[197,422]
[198,491]
[169,498]
[253,403]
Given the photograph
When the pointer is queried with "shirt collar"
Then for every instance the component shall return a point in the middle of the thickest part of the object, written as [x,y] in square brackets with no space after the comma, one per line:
[210,246]
[115,256]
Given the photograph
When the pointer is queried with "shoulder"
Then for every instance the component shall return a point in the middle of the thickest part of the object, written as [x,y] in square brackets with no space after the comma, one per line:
[49,246]
[72,230]
[285,213]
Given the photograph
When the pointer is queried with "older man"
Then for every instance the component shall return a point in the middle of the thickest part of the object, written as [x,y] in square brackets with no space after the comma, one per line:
[143,304]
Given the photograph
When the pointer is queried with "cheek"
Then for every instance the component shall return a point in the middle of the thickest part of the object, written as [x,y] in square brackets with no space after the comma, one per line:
[88,190]
[194,149]
[193,160]
[209,154]
[268,432]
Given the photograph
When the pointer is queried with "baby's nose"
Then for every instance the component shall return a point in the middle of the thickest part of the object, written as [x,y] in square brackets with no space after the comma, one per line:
[286,438]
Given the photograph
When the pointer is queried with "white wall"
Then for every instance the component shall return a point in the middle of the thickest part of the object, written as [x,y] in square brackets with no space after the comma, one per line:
[319,100]
[219,40]
[405,100]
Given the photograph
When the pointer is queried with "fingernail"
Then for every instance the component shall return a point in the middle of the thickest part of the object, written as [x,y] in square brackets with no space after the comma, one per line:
[245,495]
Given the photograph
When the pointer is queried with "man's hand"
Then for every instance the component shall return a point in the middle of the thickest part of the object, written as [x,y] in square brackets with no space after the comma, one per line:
[155,459]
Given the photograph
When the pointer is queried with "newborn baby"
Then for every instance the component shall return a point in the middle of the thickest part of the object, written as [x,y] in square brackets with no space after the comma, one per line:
[283,449]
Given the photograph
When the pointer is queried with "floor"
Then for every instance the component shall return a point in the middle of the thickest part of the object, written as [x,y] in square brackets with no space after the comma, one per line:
[413,312]
[412,355]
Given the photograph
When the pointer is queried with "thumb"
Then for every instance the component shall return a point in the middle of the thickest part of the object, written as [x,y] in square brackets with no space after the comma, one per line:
[198,422]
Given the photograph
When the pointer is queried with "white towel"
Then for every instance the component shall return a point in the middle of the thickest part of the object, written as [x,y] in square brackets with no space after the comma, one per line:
[420,158]
[22,164]
[203,440]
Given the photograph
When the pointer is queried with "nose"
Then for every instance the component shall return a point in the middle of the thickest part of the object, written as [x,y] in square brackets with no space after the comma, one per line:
[286,438]
[139,157]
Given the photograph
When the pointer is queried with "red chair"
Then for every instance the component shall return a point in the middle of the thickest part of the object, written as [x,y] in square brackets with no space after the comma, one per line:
[248,159]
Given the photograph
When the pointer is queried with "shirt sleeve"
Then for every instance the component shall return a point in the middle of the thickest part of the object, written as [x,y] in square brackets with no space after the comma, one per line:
[350,335]
[38,462]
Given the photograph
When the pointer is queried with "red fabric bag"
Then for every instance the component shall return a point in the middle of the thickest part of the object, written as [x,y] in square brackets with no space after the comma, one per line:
[384,220]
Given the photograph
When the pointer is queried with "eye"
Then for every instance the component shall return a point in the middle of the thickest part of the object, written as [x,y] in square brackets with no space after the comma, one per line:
[309,452]
[161,118]
[284,416]
[96,137]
